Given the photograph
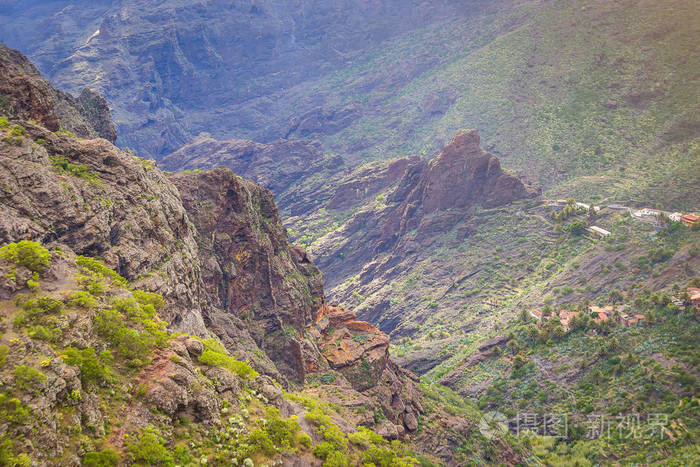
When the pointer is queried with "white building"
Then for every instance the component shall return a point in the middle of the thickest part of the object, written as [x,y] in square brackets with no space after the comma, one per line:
[600,232]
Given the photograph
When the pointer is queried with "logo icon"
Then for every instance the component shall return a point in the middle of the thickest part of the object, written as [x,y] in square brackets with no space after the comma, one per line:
[492,423]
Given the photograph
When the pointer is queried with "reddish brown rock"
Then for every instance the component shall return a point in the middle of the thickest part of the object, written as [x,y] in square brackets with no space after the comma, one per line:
[355,348]
[463,175]
[367,182]
[251,271]
[429,199]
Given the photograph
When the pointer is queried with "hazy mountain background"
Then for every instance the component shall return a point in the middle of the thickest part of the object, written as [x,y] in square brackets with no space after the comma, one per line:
[352,112]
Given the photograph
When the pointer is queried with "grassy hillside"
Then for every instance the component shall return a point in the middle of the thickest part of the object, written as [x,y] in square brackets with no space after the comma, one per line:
[613,384]
[594,99]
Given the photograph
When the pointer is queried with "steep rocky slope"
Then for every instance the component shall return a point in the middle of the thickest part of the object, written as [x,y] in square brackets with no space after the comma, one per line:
[230,270]
[277,165]
[92,376]
[428,200]
[206,253]
[566,93]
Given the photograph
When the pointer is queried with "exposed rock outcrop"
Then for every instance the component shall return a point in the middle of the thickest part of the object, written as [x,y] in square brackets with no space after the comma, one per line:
[27,95]
[212,244]
[429,198]
[355,348]
[360,352]
[172,69]
[249,269]
[117,207]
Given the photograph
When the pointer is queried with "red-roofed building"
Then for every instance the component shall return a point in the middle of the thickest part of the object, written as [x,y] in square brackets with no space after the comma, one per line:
[601,313]
[690,219]
[629,321]
[565,318]
[537,314]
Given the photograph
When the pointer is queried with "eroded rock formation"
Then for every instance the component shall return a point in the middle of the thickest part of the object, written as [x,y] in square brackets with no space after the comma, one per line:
[425,199]
[210,242]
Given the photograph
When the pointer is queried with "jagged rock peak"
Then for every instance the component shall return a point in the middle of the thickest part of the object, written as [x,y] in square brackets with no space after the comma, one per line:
[464,174]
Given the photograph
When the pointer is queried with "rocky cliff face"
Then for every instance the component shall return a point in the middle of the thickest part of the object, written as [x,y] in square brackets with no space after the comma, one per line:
[461,177]
[276,165]
[99,201]
[264,290]
[249,270]
[426,200]
[211,243]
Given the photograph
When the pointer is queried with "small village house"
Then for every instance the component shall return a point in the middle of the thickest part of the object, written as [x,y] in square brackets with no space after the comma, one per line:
[601,313]
[565,318]
[598,231]
[690,219]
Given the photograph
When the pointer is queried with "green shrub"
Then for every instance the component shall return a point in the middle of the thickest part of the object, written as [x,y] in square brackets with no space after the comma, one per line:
[131,345]
[336,459]
[4,122]
[9,458]
[305,440]
[44,333]
[82,299]
[28,378]
[40,310]
[282,432]
[93,369]
[18,130]
[4,350]
[365,438]
[323,450]
[576,228]
[65,132]
[12,410]
[104,458]
[94,265]
[26,253]
[149,450]
[215,355]
[182,455]
[64,166]
[327,378]
[149,298]
[134,328]
[259,441]
[329,431]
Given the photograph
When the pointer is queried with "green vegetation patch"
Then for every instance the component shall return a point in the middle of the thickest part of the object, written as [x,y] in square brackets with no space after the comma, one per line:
[133,328]
[215,355]
[66,167]
[91,264]
[26,253]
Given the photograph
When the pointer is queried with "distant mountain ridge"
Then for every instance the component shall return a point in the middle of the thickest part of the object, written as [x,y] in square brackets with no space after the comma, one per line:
[165,65]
